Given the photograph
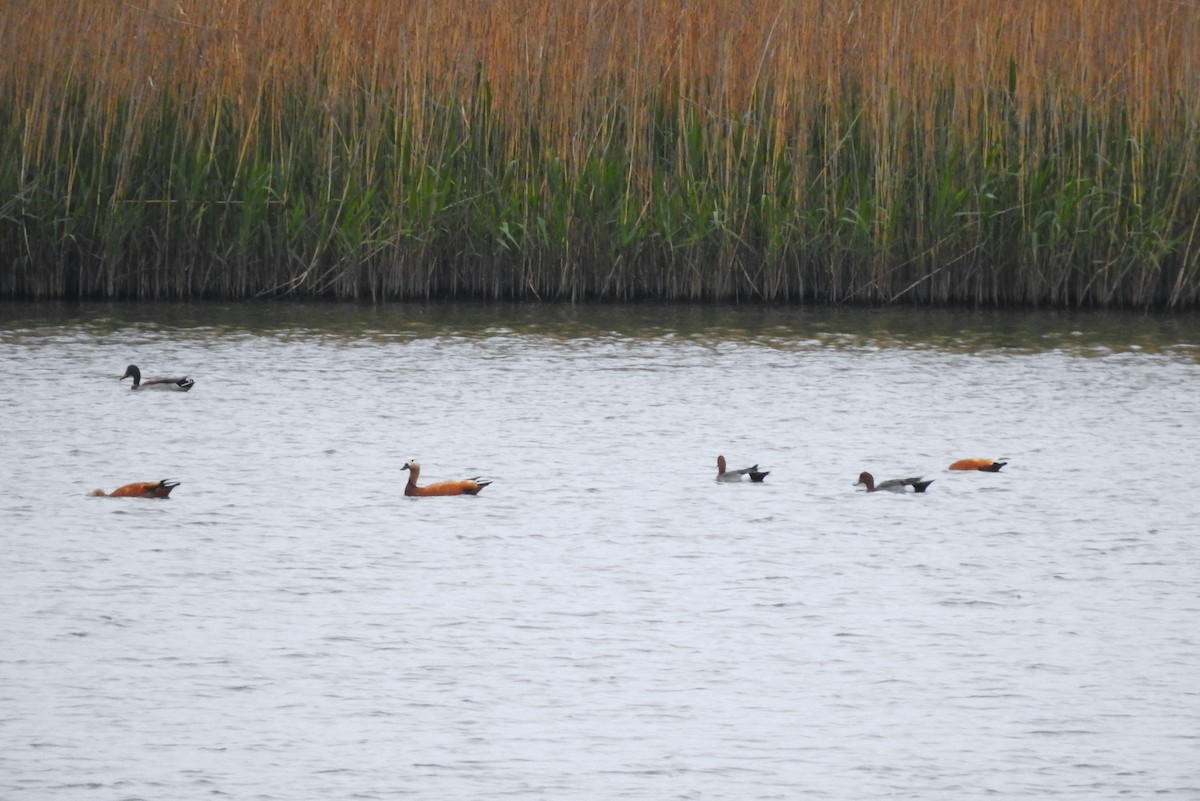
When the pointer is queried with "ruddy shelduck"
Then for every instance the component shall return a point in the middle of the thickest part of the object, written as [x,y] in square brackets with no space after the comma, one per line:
[139,489]
[916,484]
[737,475]
[176,384]
[467,486]
[984,465]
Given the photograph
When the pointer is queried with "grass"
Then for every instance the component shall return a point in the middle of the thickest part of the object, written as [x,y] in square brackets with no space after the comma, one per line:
[988,152]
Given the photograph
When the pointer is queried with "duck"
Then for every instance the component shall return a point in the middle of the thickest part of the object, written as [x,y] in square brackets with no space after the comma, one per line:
[467,486]
[984,465]
[139,489]
[915,484]
[755,474]
[177,384]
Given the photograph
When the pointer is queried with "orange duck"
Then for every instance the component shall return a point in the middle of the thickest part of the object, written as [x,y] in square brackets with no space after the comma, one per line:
[985,465]
[467,486]
[139,489]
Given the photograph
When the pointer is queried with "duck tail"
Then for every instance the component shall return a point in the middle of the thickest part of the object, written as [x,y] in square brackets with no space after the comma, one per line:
[921,486]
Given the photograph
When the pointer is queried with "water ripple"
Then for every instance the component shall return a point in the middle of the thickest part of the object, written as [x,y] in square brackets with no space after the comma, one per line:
[605,621]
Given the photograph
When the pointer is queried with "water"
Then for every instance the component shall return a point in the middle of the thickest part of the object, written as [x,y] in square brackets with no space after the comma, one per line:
[604,621]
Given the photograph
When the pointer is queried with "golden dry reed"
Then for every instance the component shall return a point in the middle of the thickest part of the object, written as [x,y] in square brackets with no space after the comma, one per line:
[988,152]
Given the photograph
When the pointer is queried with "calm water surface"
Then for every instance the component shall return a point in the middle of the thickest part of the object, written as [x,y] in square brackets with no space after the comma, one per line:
[604,621]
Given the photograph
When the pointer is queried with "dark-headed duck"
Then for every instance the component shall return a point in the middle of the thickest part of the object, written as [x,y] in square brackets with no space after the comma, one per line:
[176,384]
[892,484]
[737,475]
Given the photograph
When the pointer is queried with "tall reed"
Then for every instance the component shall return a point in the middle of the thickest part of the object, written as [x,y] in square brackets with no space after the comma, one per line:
[993,152]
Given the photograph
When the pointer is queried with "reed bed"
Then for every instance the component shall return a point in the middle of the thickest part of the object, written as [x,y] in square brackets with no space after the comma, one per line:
[990,152]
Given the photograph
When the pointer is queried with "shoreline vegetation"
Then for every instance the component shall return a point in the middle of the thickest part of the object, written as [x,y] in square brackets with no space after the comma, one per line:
[991,153]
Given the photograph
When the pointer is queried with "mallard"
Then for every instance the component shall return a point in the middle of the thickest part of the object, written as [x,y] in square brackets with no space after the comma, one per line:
[737,475]
[176,384]
[467,486]
[139,489]
[892,484]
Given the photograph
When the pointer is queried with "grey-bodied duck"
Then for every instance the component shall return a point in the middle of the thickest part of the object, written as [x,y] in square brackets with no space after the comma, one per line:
[174,384]
[915,484]
[753,472]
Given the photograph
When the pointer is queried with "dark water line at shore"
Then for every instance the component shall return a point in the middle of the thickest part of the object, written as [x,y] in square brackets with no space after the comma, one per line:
[781,325]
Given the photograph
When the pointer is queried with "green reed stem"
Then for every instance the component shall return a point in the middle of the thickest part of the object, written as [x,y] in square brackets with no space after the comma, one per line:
[362,189]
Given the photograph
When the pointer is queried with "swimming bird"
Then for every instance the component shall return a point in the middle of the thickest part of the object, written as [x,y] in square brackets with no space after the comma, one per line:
[177,384]
[139,489]
[468,486]
[892,484]
[984,465]
[736,475]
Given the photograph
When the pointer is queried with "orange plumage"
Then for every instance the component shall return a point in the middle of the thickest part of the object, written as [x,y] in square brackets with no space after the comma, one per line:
[468,486]
[986,465]
[140,489]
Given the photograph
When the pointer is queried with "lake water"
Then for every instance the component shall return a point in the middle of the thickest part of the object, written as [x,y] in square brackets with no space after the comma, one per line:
[604,621]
